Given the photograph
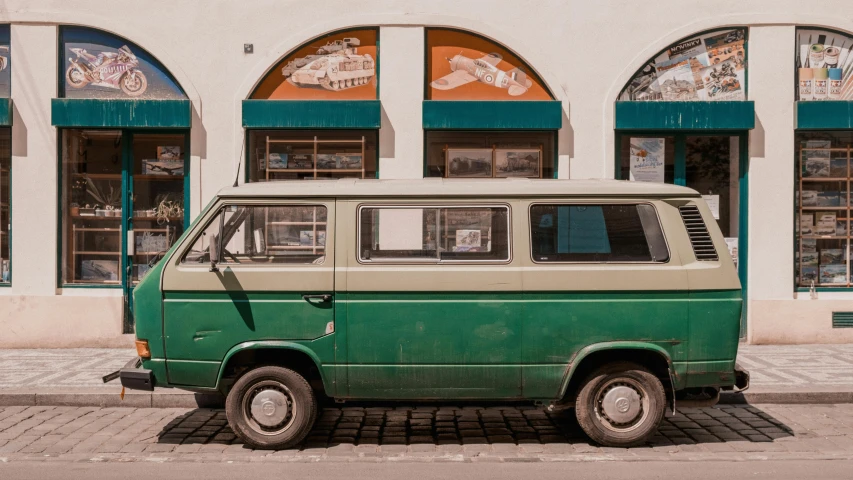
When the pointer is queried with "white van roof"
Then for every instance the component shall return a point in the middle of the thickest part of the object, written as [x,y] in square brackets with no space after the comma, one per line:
[442,187]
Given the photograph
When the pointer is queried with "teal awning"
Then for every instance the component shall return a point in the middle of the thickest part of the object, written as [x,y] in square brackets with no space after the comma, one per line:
[824,115]
[494,115]
[694,115]
[5,112]
[312,114]
[120,113]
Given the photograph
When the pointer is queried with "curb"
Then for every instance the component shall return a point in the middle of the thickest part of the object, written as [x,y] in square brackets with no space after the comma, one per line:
[184,399]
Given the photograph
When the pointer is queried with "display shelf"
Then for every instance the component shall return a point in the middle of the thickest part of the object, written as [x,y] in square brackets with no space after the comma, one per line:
[93,217]
[157,178]
[827,161]
[296,223]
[154,219]
[99,176]
[316,143]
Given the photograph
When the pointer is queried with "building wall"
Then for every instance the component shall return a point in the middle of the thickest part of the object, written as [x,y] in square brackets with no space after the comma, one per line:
[584,51]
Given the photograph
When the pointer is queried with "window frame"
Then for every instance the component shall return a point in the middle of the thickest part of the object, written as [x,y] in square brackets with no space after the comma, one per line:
[437,260]
[217,214]
[595,203]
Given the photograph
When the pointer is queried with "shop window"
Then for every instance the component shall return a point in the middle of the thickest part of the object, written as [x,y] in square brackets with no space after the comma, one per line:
[596,233]
[311,154]
[464,66]
[495,154]
[824,61]
[823,201]
[110,226]
[709,67]
[338,66]
[262,235]
[5,203]
[434,234]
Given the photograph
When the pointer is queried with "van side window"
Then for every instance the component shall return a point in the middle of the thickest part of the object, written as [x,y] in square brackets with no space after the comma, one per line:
[597,233]
[264,235]
[434,234]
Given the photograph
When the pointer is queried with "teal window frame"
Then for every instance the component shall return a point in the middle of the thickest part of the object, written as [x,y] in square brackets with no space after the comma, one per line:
[680,170]
[9,206]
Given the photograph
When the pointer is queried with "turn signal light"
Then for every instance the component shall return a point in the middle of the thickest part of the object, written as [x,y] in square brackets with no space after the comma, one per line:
[142,349]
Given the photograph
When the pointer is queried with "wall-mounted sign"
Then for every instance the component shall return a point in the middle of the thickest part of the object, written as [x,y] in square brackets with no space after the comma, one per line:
[463,66]
[339,66]
[707,67]
[5,62]
[101,65]
[825,65]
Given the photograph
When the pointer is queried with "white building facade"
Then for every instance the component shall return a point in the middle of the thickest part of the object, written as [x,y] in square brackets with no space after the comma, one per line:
[104,167]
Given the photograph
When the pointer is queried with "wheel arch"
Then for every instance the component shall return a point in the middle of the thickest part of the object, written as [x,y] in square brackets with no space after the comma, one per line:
[650,355]
[291,355]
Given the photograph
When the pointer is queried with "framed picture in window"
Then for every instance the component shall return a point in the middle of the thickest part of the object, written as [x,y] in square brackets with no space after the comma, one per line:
[518,162]
[469,162]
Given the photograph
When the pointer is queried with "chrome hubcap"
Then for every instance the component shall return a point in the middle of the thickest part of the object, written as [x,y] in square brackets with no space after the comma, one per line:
[622,405]
[269,407]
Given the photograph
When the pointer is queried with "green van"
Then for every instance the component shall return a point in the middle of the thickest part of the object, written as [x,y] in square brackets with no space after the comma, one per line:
[617,298]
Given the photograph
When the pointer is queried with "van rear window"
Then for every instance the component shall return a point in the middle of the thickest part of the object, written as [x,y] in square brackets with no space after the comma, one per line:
[597,233]
[434,234]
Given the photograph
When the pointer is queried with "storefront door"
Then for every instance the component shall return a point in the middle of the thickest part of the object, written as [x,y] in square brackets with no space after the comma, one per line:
[124,194]
[714,164]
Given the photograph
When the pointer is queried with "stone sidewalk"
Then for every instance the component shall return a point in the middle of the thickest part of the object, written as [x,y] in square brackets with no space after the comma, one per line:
[779,374]
[423,433]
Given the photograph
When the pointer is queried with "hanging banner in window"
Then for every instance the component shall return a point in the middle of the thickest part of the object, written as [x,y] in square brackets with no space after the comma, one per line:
[707,67]
[339,66]
[5,63]
[825,65]
[647,160]
[464,66]
[101,65]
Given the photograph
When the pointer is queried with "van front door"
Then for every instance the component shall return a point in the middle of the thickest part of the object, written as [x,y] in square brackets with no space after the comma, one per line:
[274,281]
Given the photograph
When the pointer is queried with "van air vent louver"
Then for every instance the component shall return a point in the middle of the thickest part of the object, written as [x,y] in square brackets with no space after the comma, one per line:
[700,239]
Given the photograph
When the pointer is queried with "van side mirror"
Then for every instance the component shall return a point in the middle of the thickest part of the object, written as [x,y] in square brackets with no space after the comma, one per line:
[213,249]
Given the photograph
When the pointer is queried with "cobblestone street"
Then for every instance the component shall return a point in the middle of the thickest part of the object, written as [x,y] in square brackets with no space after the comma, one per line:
[423,433]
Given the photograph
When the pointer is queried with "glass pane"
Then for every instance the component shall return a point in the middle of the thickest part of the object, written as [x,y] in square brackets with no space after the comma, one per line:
[823,209]
[293,155]
[158,198]
[596,233]
[265,235]
[470,154]
[668,157]
[91,206]
[712,170]
[434,233]
[5,200]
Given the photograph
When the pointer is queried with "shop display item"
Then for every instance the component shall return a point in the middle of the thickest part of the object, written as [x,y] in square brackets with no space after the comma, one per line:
[463,162]
[99,270]
[828,199]
[810,258]
[517,163]
[825,65]
[833,274]
[807,224]
[832,256]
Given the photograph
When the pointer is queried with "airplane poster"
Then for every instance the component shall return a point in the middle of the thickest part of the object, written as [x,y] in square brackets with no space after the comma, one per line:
[463,66]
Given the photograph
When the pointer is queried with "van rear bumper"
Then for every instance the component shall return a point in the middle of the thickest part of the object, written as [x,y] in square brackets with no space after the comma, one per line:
[741,378]
[133,376]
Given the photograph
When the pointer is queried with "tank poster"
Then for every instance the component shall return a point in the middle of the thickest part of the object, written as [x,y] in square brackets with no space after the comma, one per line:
[101,65]
[706,67]
[5,63]
[824,65]
[462,66]
[340,66]
[647,160]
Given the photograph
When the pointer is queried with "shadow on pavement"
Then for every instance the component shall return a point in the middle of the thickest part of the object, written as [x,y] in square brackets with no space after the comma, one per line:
[435,424]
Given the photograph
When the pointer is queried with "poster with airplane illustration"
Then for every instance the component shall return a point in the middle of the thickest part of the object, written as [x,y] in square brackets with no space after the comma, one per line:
[463,66]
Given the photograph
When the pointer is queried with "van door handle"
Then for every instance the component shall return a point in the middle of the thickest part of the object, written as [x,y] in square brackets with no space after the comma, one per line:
[324,297]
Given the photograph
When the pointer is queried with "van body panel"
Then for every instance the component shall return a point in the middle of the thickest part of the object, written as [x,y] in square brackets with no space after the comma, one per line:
[713,342]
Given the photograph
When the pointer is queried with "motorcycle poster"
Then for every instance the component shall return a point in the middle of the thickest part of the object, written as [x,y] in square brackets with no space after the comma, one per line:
[100,65]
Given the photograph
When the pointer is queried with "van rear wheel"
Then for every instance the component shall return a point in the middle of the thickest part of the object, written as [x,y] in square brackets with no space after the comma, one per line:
[620,405]
[271,408]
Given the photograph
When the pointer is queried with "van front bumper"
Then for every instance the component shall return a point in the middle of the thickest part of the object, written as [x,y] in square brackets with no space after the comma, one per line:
[133,376]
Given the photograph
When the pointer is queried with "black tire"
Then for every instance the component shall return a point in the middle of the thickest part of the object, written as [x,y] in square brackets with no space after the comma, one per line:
[274,384]
[591,410]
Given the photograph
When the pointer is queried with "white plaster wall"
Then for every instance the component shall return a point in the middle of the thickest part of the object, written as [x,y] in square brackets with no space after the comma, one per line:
[584,51]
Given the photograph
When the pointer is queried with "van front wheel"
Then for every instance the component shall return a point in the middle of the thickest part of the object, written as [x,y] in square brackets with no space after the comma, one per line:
[620,405]
[271,408]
